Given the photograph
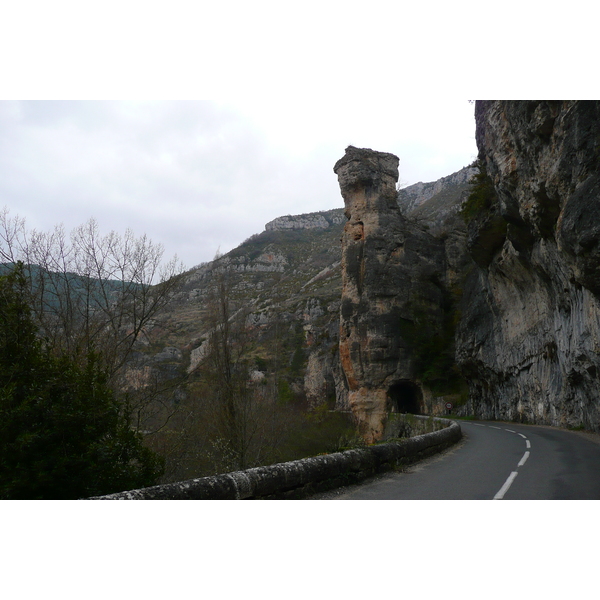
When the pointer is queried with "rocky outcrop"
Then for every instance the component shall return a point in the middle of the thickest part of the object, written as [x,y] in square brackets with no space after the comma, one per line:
[322,220]
[288,278]
[529,336]
[526,266]
[267,262]
[413,196]
[391,278]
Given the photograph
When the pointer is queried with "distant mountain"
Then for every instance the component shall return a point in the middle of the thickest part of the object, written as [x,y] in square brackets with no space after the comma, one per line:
[443,191]
[320,220]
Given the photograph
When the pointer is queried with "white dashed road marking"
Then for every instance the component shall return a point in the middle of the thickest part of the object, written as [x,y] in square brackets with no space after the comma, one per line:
[506,485]
[511,477]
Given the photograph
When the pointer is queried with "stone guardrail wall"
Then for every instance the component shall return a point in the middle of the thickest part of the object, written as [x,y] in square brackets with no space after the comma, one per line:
[301,478]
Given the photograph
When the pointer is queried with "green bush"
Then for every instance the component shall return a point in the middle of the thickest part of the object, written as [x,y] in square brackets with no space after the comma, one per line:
[482,196]
[320,431]
[63,434]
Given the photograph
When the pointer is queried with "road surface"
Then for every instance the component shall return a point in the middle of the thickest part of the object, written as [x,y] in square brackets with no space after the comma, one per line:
[501,461]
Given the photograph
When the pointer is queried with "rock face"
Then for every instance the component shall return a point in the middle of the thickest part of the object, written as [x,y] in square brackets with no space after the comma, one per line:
[511,298]
[529,336]
[322,220]
[525,266]
[391,272]
[412,197]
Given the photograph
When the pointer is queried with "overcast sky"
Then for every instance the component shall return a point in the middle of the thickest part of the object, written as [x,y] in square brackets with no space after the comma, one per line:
[198,176]
[274,92]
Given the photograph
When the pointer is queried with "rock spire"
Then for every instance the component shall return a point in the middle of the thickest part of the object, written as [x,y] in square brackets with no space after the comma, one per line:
[389,272]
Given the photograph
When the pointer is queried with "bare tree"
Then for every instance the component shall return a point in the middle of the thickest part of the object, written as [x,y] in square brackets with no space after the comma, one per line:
[93,293]
[228,372]
[241,416]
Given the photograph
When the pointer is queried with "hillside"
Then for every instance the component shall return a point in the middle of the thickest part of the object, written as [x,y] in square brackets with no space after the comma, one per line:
[288,279]
[284,289]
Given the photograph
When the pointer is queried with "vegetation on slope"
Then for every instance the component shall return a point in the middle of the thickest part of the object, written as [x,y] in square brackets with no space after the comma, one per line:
[482,195]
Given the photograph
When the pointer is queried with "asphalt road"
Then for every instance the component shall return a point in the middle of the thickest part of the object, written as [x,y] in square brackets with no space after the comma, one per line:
[501,461]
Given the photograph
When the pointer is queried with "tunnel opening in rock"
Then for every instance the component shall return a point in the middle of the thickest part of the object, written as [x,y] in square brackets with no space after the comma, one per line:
[406,397]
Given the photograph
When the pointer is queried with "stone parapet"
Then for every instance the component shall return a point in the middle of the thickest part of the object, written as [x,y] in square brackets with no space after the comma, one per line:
[301,478]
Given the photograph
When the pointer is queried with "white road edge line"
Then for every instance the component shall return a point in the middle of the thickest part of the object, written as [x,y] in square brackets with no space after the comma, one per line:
[523,436]
[478,424]
[528,443]
[511,431]
[492,427]
[506,486]
[524,459]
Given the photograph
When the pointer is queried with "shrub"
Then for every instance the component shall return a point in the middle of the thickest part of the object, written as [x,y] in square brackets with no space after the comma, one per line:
[63,434]
[482,195]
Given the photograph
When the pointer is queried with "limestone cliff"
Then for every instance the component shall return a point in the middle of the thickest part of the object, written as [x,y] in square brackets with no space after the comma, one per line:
[529,336]
[320,220]
[391,271]
[414,196]
[515,281]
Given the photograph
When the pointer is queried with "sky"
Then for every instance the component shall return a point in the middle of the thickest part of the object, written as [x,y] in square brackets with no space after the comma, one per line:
[198,124]
[201,176]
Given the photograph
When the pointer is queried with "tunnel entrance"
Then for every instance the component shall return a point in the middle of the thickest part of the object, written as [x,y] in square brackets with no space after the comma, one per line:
[406,397]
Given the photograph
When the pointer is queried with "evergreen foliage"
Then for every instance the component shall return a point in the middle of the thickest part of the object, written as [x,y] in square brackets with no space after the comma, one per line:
[483,194]
[63,433]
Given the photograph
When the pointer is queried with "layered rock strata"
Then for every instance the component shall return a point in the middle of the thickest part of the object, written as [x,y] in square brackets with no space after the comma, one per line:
[391,272]
[529,336]
[322,220]
[413,196]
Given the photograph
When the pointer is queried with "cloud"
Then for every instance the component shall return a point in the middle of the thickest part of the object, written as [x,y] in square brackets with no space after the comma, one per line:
[200,175]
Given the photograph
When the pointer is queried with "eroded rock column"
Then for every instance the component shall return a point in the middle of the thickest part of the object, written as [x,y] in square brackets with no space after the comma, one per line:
[388,273]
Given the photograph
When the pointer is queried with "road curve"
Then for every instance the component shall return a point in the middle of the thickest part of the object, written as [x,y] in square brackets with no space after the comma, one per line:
[501,461]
